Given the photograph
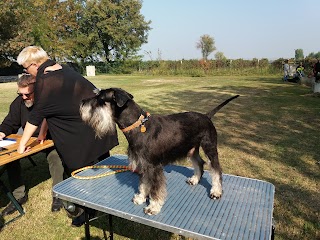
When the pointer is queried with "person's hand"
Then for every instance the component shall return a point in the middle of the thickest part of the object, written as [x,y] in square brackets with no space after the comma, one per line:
[22,149]
[41,139]
[2,135]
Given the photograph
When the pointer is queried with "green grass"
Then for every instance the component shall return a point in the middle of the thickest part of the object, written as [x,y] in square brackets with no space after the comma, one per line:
[271,132]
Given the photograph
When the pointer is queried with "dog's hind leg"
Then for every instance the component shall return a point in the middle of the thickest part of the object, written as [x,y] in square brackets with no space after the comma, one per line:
[210,149]
[158,191]
[197,163]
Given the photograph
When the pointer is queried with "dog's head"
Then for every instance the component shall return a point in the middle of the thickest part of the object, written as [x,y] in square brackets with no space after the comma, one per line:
[98,111]
[114,95]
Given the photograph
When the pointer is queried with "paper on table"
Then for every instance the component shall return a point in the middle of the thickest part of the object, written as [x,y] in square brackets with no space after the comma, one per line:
[4,143]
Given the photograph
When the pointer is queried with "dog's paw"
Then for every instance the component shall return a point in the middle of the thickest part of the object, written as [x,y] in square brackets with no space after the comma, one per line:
[138,199]
[152,210]
[194,180]
[215,193]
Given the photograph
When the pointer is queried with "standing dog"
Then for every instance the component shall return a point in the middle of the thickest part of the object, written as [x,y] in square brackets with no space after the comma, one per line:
[155,141]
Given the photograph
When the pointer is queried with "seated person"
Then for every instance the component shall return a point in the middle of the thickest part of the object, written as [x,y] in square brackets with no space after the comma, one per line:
[16,118]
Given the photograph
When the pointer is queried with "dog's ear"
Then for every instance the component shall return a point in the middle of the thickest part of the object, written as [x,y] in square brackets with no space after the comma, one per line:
[121,97]
[105,95]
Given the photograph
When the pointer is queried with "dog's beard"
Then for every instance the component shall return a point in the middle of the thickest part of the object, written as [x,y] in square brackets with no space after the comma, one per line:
[100,118]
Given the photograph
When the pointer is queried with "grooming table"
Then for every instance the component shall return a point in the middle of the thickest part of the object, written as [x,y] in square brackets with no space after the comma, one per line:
[245,210]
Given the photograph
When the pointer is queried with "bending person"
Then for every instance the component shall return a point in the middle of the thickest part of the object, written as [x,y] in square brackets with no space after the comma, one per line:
[59,91]
[16,118]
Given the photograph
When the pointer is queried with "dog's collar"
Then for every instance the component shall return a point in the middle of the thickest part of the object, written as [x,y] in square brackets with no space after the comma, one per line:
[140,122]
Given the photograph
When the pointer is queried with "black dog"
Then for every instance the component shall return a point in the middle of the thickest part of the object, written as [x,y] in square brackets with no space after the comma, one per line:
[156,140]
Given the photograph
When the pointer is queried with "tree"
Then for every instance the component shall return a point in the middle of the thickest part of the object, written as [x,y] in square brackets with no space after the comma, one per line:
[314,55]
[73,29]
[14,30]
[299,54]
[220,56]
[55,27]
[48,24]
[206,44]
[113,29]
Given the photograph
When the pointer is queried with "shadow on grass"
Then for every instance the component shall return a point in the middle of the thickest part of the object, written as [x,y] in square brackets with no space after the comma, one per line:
[125,228]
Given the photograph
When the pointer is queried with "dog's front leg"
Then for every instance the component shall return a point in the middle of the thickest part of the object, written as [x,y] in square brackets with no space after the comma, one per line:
[158,191]
[144,189]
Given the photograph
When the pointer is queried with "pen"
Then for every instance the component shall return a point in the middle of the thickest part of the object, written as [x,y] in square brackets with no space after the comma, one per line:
[10,139]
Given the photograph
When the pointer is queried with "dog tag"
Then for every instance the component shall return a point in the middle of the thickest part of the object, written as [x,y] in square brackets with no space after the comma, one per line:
[143,129]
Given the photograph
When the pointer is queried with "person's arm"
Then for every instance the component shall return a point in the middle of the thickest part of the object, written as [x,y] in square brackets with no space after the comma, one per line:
[12,122]
[27,134]
[43,131]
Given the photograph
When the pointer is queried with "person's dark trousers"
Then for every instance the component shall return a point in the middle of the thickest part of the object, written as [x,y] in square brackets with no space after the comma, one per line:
[57,172]
[16,182]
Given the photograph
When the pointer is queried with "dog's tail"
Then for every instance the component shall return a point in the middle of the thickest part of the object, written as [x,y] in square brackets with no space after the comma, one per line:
[216,109]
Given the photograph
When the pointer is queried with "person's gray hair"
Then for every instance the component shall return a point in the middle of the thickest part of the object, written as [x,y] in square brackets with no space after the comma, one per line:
[32,54]
[25,80]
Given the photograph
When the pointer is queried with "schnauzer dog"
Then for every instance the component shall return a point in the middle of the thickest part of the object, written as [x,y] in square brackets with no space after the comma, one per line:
[155,141]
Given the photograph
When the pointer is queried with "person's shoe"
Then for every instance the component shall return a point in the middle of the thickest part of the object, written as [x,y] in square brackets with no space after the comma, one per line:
[72,210]
[11,208]
[56,204]
[79,221]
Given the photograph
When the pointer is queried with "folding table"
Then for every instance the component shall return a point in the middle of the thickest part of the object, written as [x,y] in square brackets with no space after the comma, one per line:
[11,154]
[245,210]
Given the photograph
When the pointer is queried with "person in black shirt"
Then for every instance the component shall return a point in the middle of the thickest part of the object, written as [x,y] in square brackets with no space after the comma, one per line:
[17,117]
[59,91]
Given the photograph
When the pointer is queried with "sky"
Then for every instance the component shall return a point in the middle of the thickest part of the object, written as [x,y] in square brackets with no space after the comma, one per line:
[244,29]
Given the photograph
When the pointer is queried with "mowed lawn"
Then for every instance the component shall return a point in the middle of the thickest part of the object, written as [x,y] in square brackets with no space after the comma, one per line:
[271,132]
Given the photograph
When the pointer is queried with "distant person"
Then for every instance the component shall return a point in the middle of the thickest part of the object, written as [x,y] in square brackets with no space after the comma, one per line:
[300,70]
[59,91]
[17,117]
[286,69]
[316,71]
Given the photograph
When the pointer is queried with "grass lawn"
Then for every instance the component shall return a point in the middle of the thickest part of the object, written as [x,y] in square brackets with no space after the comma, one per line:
[271,132]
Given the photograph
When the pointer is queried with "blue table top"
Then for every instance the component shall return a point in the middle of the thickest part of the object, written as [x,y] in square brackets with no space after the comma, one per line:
[244,212]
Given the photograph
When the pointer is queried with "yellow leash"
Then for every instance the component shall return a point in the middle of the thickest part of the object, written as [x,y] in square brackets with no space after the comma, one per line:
[119,167]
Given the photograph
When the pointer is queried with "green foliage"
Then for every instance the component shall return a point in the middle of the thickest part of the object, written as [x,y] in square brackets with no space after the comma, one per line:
[314,55]
[191,67]
[111,30]
[14,29]
[73,30]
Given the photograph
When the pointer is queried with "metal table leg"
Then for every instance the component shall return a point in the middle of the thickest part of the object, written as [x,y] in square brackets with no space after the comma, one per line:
[86,224]
[13,200]
[111,228]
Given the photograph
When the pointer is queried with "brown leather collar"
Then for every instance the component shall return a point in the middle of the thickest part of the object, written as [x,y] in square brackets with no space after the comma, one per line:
[140,122]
